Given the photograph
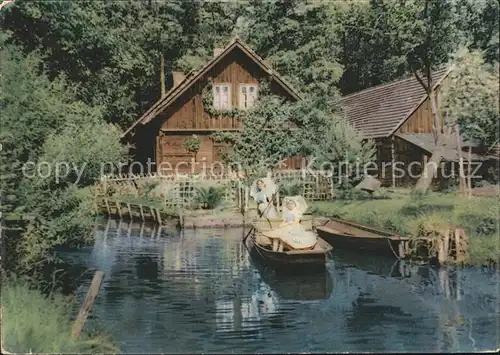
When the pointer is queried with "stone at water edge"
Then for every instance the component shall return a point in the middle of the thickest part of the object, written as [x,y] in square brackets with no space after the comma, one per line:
[369,184]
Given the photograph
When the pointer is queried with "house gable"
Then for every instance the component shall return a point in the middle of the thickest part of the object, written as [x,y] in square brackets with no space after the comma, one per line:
[235,64]
[188,111]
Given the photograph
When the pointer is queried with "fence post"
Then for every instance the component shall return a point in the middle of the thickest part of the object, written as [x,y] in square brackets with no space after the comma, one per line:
[247,192]
[88,303]
[240,199]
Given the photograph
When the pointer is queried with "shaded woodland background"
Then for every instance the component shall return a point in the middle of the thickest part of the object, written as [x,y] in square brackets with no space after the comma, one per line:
[110,50]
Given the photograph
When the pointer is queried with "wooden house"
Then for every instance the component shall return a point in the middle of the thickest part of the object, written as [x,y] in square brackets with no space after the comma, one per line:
[397,116]
[232,77]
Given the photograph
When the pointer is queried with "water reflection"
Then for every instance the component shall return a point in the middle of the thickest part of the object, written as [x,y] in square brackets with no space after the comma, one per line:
[305,286]
[199,291]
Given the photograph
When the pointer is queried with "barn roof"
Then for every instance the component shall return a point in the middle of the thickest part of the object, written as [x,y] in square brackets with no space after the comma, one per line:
[380,110]
[192,77]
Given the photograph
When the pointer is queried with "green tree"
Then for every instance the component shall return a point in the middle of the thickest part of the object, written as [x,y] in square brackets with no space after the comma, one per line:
[82,151]
[470,97]
[375,37]
[342,151]
[217,22]
[267,136]
[112,49]
[298,38]
[43,124]
[435,38]
[192,145]
[479,22]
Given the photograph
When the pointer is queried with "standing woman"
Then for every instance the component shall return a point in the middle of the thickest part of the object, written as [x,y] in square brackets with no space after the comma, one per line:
[264,202]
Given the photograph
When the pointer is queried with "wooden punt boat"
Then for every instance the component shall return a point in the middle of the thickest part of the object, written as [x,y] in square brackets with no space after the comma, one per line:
[349,235]
[260,247]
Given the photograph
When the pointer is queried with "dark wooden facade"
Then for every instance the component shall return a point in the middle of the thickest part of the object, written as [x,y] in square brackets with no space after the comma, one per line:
[162,138]
[395,153]
[398,117]
[400,161]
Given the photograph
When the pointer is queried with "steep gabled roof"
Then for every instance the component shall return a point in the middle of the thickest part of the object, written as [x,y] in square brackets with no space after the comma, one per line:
[380,110]
[192,77]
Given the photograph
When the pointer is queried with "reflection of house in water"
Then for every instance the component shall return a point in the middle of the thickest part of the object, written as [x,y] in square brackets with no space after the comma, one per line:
[199,250]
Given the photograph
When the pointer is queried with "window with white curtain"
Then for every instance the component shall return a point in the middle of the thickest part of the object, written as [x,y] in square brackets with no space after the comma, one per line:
[248,95]
[222,96]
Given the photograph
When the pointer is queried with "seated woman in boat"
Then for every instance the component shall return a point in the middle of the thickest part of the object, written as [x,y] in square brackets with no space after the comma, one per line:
[264,203]
[291,233]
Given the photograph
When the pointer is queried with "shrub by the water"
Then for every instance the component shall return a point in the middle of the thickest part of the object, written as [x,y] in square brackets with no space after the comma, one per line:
[32,322]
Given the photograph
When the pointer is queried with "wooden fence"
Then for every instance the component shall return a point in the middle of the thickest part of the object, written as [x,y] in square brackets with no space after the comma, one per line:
[180,191]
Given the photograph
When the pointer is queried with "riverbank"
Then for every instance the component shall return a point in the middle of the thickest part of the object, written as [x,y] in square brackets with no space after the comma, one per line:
[404,212]
[32,322]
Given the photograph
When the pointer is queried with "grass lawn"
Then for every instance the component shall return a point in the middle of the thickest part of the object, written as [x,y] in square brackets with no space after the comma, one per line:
[403,213]
[33,322]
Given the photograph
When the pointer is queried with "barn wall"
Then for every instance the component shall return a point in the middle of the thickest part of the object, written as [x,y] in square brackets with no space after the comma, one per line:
[210,156]
[384,159]
[409,161]
[421,120]
[394,161]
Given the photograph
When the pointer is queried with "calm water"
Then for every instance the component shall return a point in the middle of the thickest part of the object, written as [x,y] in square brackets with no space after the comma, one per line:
[199,291]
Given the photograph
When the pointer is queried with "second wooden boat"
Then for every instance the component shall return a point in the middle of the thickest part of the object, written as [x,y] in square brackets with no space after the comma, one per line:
[349,235]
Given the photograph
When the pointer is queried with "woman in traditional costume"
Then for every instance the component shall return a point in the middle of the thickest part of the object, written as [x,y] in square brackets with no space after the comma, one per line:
[262,194]
[291,232]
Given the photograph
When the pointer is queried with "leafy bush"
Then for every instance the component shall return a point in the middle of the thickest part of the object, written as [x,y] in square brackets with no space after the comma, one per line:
[418,195]
[354,195]
[148,187]
[82,151]
[46,124]
[480,224]
[210,197]
[290,189]
[192,145]
[448,185]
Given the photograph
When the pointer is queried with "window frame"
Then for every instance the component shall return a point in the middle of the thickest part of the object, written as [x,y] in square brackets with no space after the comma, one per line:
[240,94]
[230,96]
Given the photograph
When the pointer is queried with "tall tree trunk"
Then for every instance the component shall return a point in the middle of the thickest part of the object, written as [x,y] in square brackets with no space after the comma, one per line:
[162,75]
[469,173]
[430,169]
[461,173]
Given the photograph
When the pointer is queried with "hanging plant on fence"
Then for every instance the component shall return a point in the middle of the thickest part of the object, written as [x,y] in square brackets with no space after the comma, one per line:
[192,145]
